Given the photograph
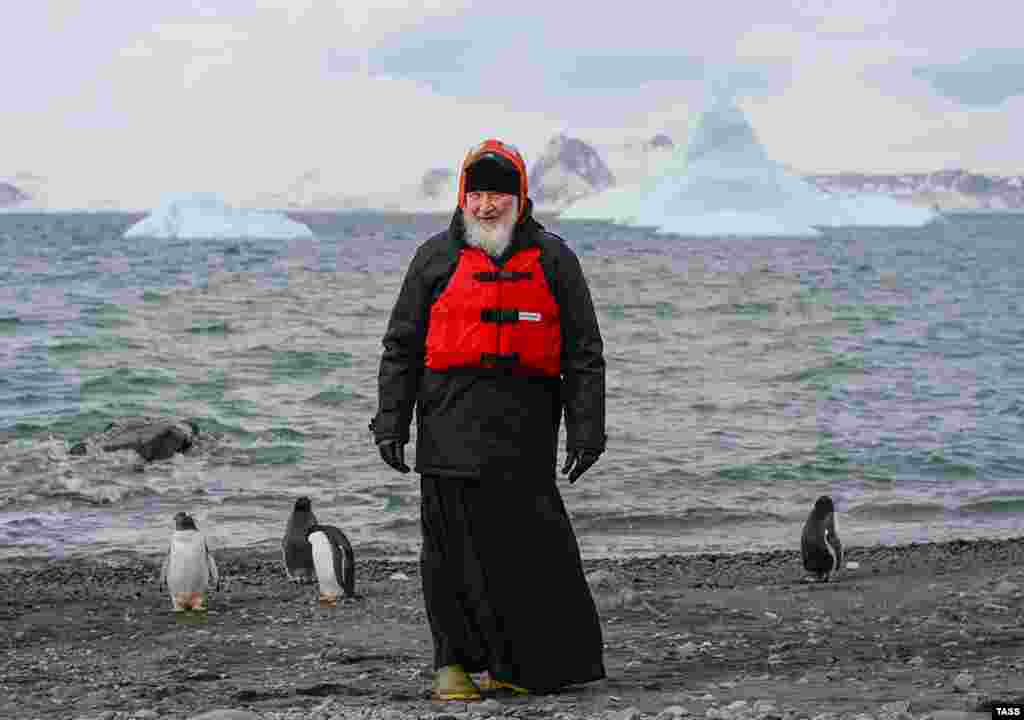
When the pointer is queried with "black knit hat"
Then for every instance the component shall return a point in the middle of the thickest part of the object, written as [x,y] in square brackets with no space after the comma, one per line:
[492,173]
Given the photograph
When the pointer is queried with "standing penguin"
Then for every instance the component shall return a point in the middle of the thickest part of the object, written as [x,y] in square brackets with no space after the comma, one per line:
[335,563]
[295,548]
[820,545]
[189,566]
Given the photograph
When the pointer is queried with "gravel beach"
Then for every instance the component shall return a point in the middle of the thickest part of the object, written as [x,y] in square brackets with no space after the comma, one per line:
[917,630]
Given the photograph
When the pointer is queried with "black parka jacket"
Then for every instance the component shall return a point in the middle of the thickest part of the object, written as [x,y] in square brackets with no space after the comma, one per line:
[484,423]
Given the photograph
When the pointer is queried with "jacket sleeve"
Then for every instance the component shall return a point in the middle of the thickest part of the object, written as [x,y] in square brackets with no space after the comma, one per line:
[401,364]
[583,365]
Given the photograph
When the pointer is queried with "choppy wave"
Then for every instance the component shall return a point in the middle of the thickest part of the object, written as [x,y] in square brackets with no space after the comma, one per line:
[745,378]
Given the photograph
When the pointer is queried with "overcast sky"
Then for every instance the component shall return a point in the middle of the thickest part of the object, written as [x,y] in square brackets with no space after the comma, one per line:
[108,99]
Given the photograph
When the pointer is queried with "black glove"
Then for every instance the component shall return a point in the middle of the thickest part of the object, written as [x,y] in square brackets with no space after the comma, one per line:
[393,453]
[580,461]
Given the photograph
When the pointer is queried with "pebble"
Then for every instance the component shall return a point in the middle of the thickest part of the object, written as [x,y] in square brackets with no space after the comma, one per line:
[737,707]
[226,715]
[896,711]
[1006,588]
[630,713]
[672,712]
[600,577]
[963,682]
[956,715]
[687,649]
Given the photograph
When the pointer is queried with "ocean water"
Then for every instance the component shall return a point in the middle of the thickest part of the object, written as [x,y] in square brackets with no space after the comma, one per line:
[745,378]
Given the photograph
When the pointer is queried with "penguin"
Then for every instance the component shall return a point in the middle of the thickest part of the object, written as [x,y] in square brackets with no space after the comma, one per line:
[295,549]
[335,563]
[820,545]
[189,566]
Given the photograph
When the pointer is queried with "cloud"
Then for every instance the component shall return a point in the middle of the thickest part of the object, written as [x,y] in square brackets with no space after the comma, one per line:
[831,120]
[243,96]
[985,78]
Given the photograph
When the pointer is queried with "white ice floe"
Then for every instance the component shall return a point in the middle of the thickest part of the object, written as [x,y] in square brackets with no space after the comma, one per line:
[205,215]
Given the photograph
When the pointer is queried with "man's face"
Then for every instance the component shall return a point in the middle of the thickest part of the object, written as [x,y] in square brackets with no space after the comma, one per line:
[491,208]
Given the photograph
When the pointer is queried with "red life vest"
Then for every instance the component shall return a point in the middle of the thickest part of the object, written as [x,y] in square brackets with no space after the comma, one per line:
[496,318]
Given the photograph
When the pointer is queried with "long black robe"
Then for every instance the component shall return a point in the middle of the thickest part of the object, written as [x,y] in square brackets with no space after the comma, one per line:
[503,583]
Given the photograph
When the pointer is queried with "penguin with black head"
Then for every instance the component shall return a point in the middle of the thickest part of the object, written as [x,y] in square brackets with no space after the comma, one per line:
[335,563]
[296,552]
[188,567]
[820,545]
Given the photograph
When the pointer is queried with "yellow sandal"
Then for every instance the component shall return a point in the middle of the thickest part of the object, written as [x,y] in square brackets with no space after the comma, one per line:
[452,683]
[489,682]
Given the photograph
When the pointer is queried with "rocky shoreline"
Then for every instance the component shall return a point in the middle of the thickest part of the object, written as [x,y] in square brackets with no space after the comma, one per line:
[915,630]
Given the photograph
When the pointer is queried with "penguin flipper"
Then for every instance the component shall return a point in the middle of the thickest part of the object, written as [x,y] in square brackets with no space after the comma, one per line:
[345,568]
[832,537]
[163,570]
[214,574]
[284,558]
[348,580]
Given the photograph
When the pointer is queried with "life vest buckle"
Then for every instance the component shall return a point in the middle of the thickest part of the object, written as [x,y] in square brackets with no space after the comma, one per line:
[495,275]
[499,360]
[499,315]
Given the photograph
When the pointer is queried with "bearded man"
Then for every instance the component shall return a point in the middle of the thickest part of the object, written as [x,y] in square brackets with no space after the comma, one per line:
[492,336]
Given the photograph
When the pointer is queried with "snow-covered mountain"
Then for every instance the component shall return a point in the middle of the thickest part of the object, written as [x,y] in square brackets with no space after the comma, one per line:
[945,189]
[41,193]
[436,183]
[308,191]
[632,161]
[567,170]
[11,195]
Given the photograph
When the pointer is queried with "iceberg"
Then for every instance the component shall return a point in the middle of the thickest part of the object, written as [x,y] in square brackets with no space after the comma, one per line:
[724,183]
[204,215]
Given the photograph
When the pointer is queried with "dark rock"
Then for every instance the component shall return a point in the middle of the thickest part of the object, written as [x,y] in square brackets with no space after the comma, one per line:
[151,438]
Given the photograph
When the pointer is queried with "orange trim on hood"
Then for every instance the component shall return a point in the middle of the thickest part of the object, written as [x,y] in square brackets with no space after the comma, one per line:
[510,153]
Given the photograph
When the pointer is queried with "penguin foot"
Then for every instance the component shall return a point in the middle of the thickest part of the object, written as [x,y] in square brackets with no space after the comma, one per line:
[328,599]
[189,601]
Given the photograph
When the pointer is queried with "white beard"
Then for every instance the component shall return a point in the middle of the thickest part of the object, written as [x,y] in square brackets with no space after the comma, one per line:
[492,239]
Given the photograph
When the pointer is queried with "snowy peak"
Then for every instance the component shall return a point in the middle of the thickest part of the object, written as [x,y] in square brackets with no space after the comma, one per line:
[436,183]
[659,142]
[567,170]
[11,195]
[723,130]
